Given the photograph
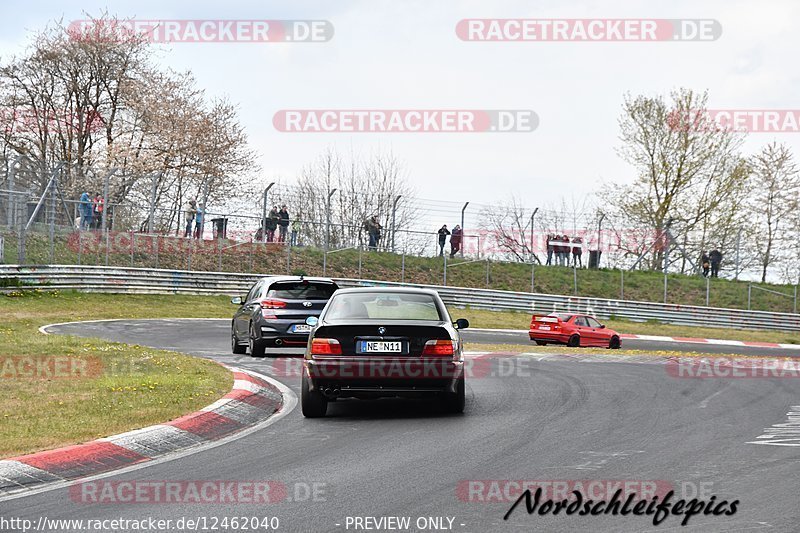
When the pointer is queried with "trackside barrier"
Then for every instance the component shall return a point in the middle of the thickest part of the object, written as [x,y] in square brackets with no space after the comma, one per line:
[151,281]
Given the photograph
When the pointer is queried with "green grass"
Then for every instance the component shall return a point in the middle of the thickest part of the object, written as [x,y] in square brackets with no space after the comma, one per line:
[227,256]
[108,388]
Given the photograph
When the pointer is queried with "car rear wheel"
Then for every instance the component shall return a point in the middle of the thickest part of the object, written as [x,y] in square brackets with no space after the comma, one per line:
[256,345]
[574,341]
[614,343]
[541,343]
[235,346]
[313,403]
[454,402]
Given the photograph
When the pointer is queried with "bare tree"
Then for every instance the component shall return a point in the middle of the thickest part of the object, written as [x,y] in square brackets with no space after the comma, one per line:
[775,189]
[688,169]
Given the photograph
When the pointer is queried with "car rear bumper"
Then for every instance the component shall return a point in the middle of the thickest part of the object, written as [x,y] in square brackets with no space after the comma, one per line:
[362,376]
[548,336]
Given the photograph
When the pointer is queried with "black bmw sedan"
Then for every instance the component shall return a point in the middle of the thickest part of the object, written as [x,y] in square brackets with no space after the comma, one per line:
[379,342]
[274,312]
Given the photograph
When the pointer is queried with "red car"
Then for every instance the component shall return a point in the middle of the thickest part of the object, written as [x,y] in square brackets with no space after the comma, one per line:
[573,330]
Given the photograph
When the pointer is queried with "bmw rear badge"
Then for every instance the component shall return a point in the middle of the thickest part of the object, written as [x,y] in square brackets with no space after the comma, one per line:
[307,304]
[381,330]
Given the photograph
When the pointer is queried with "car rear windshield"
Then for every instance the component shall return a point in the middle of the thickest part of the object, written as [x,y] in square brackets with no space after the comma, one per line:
[301,290]
[383,305]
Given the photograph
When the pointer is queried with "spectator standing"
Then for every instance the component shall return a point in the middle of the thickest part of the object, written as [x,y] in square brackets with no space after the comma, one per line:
[296,226]
[272,223]
[86,211]
[455,240]
[550,248]
[577,252]
[198,221]
[97,210]
[283,224]
[373,228]
[705,261]
[191,211]
[563,250]
[443,233]
[716,259]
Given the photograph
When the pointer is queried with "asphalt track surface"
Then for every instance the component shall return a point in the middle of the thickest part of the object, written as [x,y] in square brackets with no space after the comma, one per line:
[550,418]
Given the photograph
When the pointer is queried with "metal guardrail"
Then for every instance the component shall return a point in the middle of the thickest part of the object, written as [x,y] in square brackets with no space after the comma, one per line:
[150,281]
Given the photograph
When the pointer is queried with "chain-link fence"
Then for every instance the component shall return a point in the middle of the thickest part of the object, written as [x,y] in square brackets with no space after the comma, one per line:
[50,228]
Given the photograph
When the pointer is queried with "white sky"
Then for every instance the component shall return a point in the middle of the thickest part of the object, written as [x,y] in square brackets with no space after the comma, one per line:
[405,54]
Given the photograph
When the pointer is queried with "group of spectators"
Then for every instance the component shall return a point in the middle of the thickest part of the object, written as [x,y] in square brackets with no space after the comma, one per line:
[277,225]
[560,247]
[91,211]
[456,238]
[194,216]
[710,262]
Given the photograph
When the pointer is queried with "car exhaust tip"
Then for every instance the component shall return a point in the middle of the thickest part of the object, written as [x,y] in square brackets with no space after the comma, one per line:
[332,392]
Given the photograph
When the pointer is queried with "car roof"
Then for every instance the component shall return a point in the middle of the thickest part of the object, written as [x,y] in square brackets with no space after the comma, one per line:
[273,279]
[388,290]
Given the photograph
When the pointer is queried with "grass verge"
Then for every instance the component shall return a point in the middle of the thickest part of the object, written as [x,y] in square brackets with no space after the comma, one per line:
[60,390]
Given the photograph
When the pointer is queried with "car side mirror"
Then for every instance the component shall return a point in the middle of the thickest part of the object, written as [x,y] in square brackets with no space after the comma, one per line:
[312,321]
[237,300]
[462,323]
[602,326]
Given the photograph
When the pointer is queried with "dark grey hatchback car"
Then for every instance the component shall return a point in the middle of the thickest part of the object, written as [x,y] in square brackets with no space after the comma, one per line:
[275,310]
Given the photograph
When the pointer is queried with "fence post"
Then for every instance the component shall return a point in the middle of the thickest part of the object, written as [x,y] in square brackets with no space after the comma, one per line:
[463,234]
[52,216]
[157,243]
[708,288]
[250,254]
[665,287]
[394,212]
[288,259]
[575,279]
[444,256]
[107,238]
[324,262]
[359,261]
[487,273]
[133,245]
[219,252]
[749,294]
[794,306]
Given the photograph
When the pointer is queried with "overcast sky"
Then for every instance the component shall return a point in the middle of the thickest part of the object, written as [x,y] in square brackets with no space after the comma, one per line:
[406,55]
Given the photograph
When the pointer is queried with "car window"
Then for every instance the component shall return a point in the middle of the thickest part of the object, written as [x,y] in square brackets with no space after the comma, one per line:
[592,322]
[254,290]
[581,321]
[301,290]
[565,317]
[383,305]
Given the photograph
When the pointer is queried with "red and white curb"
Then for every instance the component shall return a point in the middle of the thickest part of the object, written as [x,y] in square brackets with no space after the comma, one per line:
[659,338]
[721,342]
[254,401]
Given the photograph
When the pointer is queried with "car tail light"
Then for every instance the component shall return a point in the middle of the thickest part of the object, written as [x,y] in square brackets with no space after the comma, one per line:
[439,347]
[272,304]
[325,347]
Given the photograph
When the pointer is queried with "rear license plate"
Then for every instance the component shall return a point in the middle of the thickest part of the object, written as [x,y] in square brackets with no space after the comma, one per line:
[380,347]
[545,327]
[301,328]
